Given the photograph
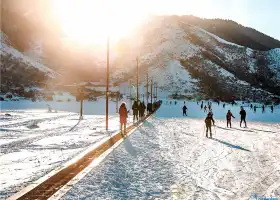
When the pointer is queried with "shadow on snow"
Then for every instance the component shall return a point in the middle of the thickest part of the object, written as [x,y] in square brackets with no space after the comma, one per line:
[231,145]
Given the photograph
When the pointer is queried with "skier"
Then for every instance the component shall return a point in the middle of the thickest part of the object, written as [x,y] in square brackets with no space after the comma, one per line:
[263,108]
[224,105]
[123,118]
[209,106]
[218,103]
[196,102]
[205,108]
[201,106]
[255,108]
[175,102]
[243,116]
[170,102]
[251,107]
[208,120]
[185,110]
[135,108]
[228,116]
[271,107]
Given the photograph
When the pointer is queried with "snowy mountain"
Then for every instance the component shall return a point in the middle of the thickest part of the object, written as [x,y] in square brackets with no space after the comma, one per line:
[183,59]
[183,56]
[21,71]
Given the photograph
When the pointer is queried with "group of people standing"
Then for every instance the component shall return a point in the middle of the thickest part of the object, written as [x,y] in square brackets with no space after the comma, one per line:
[263,108]
[138,111]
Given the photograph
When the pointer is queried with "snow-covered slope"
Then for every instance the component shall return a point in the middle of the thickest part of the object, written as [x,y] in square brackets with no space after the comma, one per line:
[181,58]
[6,50]
[184,59]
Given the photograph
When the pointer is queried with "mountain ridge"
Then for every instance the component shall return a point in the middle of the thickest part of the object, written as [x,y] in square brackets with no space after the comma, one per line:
[176,47]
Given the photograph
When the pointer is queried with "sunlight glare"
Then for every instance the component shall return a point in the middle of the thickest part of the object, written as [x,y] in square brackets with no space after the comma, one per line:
[92,21]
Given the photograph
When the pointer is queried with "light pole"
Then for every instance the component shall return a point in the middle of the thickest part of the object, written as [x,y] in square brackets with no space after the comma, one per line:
[152,93]
[137,60]
[147,90]
[107,82]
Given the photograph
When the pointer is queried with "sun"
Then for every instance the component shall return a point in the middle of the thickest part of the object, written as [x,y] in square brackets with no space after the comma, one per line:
[92,21]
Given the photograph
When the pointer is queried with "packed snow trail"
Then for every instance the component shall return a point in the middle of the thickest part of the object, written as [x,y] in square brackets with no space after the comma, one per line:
[171,159]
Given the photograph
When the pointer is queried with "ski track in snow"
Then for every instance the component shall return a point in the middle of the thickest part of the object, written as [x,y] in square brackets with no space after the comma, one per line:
[169,158]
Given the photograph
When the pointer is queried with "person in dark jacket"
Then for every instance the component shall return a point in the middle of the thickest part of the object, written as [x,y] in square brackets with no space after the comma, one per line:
[271,107]
[185,110]
[251,107]
[142,108]
[255,108]
[135,108]
[263,108]
[149,106]
[123,118]
[243,116]
[205,108]
[208,122]
[228,117]
[224,105]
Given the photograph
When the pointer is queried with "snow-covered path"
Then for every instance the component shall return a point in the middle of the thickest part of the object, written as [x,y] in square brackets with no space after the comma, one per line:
[169,158]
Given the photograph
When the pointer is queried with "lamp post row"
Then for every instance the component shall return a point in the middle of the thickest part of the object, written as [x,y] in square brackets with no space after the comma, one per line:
[137,82]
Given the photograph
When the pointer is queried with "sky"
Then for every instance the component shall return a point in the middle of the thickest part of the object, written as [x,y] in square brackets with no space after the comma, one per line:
[123,15]
[262,15]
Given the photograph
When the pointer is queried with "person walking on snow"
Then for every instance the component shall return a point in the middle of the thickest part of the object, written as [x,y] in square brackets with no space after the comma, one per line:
[243,116]
[208,122]
[185,110]
[201,106]
[123,118]
[228,116]
[271,107]
[143,108]
[251,107]
[255,108]
[205,108]
[263,108]
[224,105]
[135,109]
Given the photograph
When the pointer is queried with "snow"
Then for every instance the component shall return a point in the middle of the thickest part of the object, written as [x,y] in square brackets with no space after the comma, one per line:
[220,40]
[242,82]
[34,142]
[221,70]
[174,77]
[274,57]
[169,158]
[6,50]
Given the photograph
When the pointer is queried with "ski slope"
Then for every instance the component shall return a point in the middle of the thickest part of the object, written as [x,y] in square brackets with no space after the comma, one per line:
[169,158]
[33,142]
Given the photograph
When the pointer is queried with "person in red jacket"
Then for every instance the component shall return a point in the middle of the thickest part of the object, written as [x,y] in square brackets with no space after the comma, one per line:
[228,116]
[123,117]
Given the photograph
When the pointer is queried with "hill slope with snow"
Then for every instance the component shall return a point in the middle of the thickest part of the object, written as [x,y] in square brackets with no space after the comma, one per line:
[198,61]
[18,70]
[184,59]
